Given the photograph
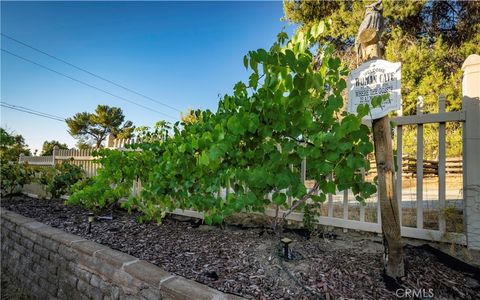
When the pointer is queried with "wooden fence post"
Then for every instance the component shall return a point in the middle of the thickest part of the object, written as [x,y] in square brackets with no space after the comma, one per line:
[368,37]
[471,147]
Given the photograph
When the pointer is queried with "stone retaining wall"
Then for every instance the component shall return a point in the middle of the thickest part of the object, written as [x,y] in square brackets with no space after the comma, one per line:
[48,263]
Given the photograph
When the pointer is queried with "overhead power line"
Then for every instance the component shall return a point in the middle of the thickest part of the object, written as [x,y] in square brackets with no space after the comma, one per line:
[36,111]
[88,84]
[32,112]
[90,73]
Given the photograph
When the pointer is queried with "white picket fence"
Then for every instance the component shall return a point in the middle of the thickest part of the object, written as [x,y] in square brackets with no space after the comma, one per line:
[79,157]
[113,143]
[469,116]
[85,159]
[343,199]
[82,158]
[471,163]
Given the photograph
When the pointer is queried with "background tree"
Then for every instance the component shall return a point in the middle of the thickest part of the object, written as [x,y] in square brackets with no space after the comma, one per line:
[83,144]
[47,147]
[13,175]
[12,145]
[95,127]
[190,116]
[159,132]
[430,38]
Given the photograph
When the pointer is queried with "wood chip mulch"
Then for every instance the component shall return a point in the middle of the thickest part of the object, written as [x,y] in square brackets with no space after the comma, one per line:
[246,262]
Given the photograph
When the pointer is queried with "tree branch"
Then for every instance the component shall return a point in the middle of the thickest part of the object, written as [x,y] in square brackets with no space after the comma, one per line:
[301,201]
[301,141]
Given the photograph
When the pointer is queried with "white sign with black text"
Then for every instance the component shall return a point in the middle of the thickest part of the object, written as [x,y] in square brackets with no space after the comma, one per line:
[374,78]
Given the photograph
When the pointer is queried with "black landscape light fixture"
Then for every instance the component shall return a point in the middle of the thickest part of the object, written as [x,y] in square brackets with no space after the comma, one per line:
[287,252]
[90,221]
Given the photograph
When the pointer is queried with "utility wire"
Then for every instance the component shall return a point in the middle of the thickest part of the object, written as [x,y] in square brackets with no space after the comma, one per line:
[88,72]
[36,111]
[87,84]
[32,112]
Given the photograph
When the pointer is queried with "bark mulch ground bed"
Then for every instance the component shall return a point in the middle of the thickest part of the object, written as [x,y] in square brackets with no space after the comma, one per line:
[246,262]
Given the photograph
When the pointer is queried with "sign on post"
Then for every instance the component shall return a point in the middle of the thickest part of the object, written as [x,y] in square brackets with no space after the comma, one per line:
[374,78]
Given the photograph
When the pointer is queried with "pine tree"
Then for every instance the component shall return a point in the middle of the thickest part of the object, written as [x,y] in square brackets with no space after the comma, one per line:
[430,38]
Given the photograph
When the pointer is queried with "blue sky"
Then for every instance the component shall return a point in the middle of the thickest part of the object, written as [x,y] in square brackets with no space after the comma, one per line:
[183,54]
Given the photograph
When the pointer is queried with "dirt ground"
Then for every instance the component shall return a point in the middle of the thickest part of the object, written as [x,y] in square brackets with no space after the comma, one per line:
[248,261]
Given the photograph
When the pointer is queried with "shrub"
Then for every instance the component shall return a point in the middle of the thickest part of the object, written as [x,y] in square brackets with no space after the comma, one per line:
[14,176]
[114,179]
[58,180]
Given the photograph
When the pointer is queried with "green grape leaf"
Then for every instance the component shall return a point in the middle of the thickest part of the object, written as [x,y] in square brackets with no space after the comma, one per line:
[279,198]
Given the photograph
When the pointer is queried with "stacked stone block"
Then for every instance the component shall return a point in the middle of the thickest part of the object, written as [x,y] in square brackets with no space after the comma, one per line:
[47,263]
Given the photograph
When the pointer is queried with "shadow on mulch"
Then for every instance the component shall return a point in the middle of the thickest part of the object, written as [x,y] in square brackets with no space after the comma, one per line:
[246,262]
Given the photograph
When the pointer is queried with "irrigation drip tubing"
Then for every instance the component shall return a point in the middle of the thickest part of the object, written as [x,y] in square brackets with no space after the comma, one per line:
[277,251]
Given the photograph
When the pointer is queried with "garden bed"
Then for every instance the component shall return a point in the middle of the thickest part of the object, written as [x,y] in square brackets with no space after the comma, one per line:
[245,261]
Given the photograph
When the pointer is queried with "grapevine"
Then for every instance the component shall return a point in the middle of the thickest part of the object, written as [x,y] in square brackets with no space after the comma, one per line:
[288,111]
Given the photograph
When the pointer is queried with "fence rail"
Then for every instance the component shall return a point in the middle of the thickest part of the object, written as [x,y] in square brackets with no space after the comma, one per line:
[84,154]
[453,165]
[37,160]
[82,158]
